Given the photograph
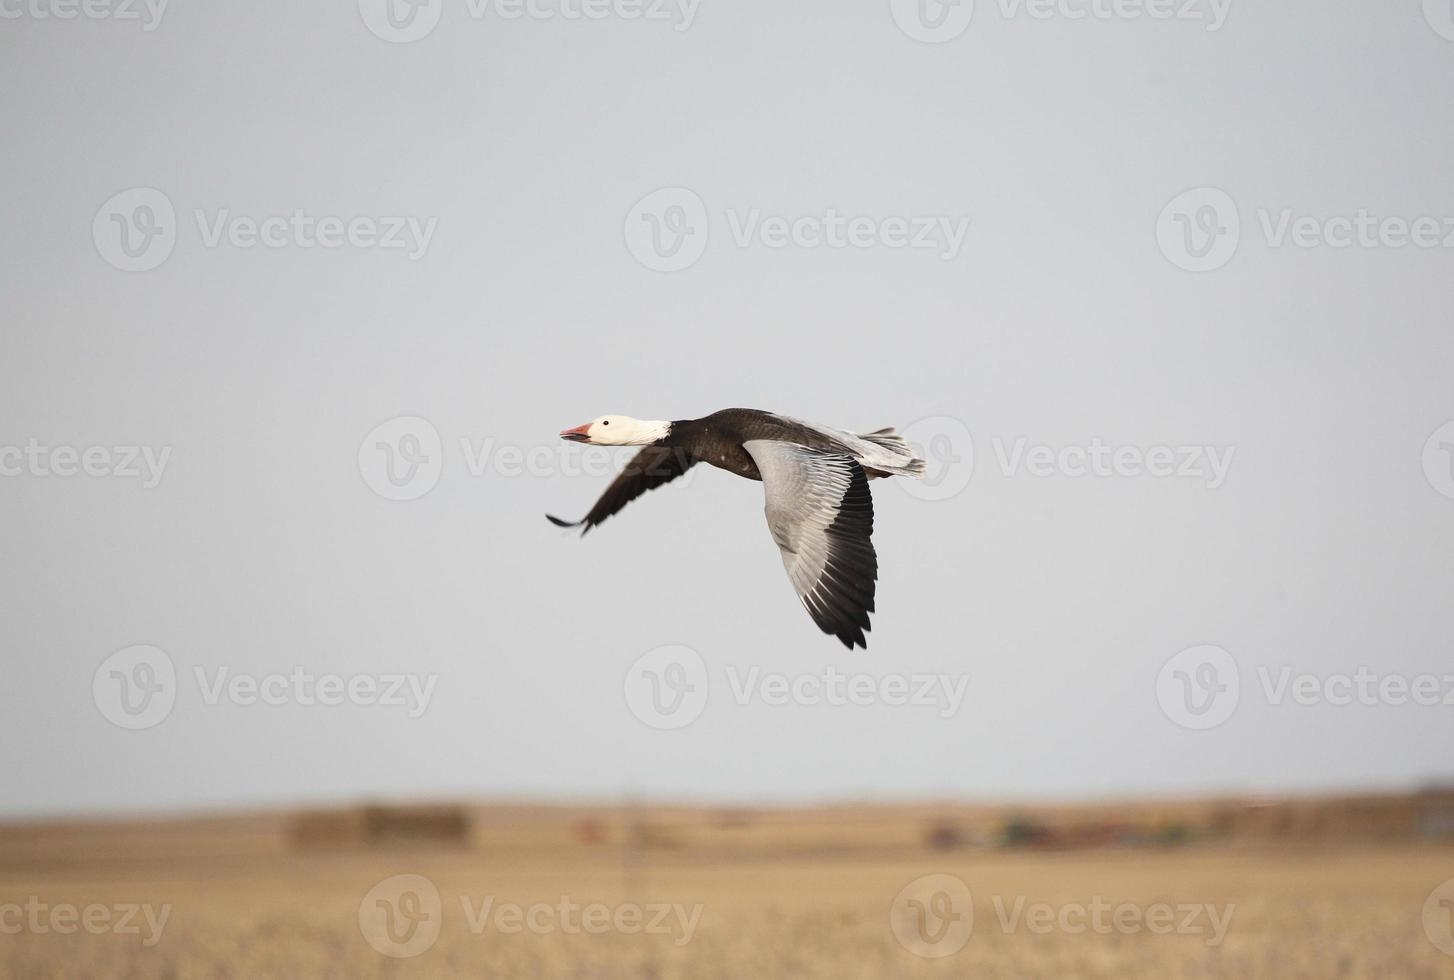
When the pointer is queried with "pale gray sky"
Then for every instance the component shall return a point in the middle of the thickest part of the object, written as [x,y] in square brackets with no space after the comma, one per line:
[508,157]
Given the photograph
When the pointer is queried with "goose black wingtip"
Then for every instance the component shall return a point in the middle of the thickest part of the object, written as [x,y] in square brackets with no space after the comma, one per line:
[582,523]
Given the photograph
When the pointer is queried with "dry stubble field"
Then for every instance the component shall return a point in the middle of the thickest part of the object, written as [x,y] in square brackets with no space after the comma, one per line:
[1356,912]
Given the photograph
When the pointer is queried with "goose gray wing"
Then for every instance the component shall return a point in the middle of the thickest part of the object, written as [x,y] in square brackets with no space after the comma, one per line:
[820,513]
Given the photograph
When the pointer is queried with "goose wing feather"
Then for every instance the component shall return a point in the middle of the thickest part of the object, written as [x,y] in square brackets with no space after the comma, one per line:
[820,512]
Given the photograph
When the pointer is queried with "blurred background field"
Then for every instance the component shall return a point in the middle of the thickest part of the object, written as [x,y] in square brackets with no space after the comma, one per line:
[1311,887]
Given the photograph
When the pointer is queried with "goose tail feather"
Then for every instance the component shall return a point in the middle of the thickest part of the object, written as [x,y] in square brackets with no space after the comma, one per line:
[903,462]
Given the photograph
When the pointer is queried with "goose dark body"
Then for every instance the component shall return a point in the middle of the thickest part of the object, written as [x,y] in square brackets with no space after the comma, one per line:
[819,508]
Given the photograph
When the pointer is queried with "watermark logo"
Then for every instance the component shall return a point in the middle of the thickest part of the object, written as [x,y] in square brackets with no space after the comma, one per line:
[1199,688]
[135,688]
[667,230]
[65,918]
[943,235]
[1439,917]
[1199,229]
[401,21]
[406,457]
[1104,917]
[932,21]
[401,459]
[947,449]
[1440,15]
[412,692]
[667,688]
[1205,463]
[1212,13]
[147,12]
[1438,459]
[937,21]
[401,916]
[933,916]
[299,229]
[944,692]
[569,918]
[135,230]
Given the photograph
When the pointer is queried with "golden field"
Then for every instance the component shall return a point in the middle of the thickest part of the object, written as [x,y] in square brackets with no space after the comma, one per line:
[260,897]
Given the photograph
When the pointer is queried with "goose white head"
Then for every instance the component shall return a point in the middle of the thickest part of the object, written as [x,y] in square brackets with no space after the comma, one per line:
[618,430]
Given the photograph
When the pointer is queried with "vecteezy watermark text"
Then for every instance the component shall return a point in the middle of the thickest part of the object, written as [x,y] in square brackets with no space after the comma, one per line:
[947,447]
[137,230]
[942,692]
[402,916]
[303,230]
[34,459]
[933,917]
[300,686]
[1098,458]
[1200,230]
[137,688]
[404,458]
[668,230]
[593,919]
[65,918]
[146,12]
[937,21]
[405,21]
[1104,917]
[1201,687]
[669,687]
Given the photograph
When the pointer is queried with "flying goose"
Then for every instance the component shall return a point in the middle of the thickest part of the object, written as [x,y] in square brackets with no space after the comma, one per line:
[815,480]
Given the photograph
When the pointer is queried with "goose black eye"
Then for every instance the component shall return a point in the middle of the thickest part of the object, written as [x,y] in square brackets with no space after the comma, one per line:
[605,423]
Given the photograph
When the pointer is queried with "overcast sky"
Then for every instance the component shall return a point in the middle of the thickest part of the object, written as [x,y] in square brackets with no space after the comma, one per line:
[1166,300]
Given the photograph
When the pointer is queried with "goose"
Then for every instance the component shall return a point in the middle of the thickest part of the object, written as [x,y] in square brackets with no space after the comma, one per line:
[815,480]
